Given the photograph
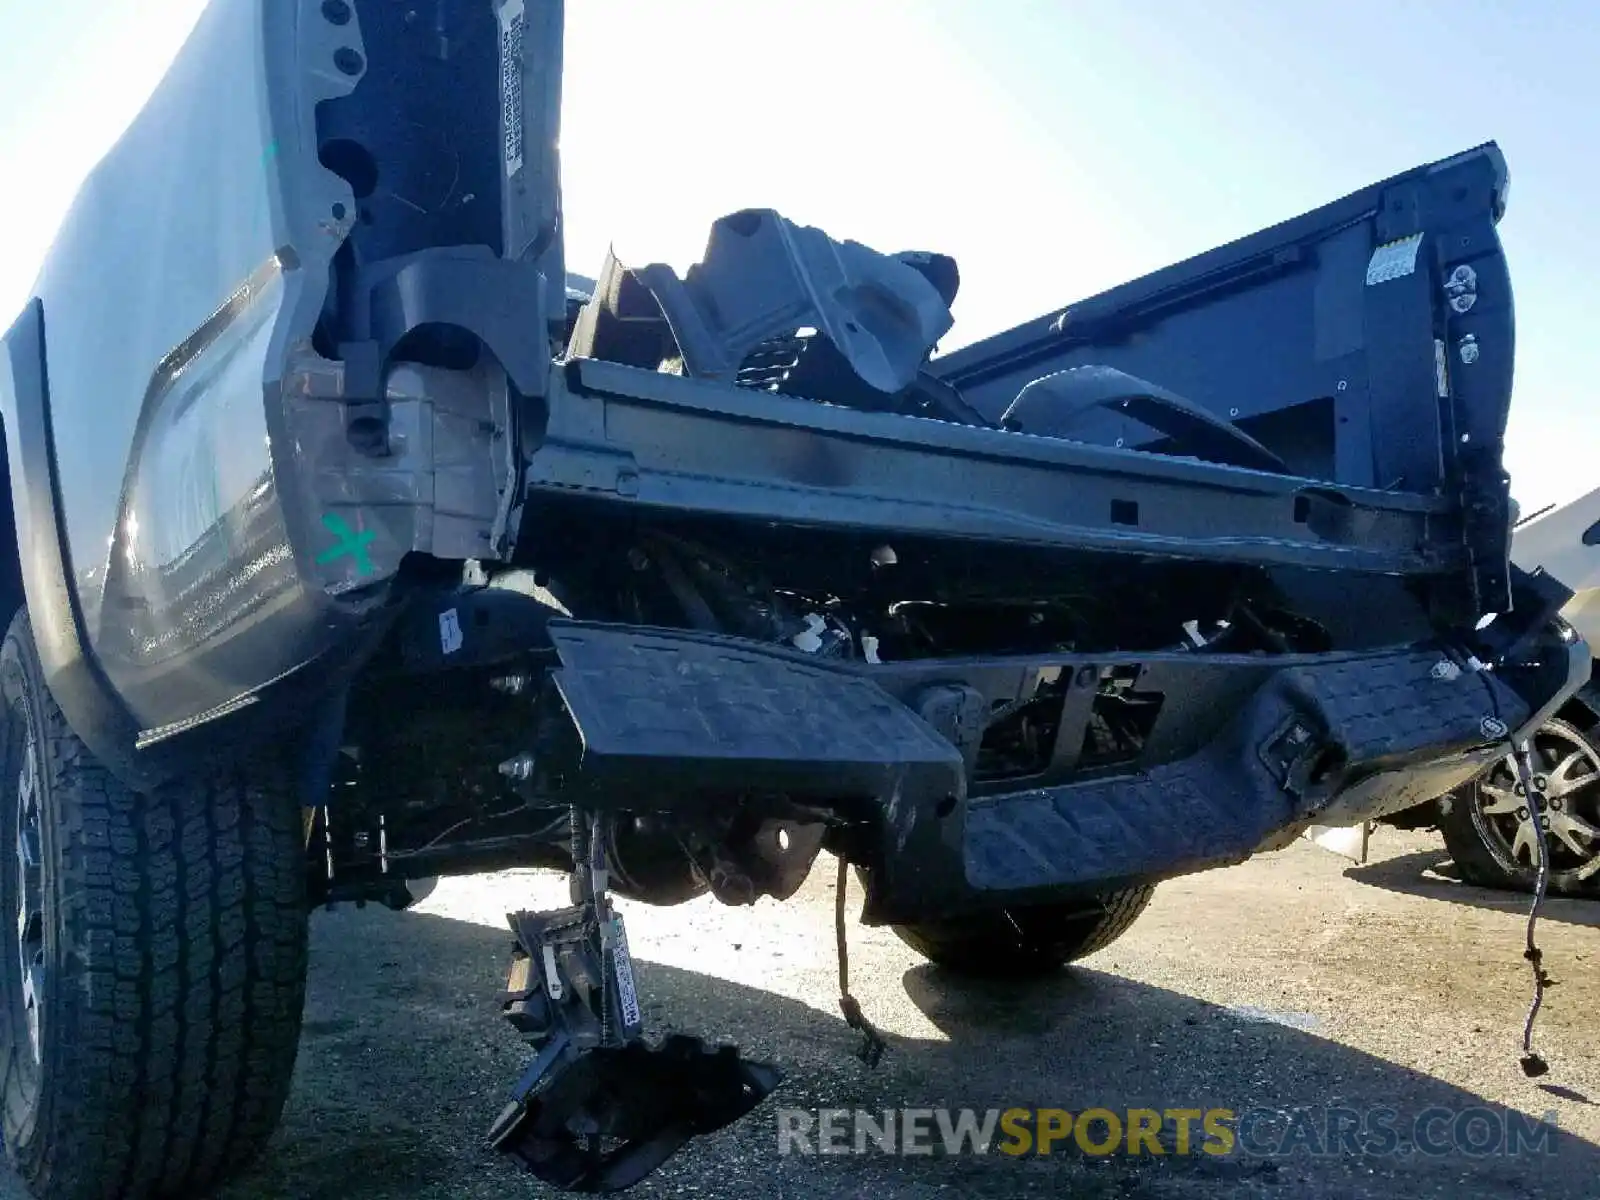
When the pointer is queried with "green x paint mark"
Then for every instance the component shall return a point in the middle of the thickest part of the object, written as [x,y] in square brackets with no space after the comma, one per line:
[350,542]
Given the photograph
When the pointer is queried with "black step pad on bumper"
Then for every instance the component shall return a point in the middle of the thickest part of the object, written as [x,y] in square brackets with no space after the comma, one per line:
[679,714]
[669,717]
[1386,724]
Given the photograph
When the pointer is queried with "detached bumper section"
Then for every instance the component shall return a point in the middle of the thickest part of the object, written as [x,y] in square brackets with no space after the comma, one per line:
[1243,753]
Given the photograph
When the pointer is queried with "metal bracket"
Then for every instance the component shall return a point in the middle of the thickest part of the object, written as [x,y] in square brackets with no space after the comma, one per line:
[598,1109]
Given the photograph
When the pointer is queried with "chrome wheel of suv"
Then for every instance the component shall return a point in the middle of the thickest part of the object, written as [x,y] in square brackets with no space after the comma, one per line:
[1489,824]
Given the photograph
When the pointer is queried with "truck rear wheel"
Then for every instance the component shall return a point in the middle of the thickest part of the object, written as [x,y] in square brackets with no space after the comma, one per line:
[1018,942]
[152,960]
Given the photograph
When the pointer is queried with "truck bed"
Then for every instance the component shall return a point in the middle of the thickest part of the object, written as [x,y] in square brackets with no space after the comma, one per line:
[324,385]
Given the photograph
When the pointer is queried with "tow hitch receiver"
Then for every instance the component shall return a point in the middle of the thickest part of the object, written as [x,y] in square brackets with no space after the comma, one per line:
[599,1108]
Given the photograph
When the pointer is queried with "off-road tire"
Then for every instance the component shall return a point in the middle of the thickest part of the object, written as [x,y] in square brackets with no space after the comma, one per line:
[1020,942]
[172,937]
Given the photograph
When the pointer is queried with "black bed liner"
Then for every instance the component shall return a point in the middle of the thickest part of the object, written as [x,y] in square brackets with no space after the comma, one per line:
[1369,343]
[1325,339]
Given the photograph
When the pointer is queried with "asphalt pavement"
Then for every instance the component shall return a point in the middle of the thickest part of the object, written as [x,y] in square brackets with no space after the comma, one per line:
[1277,991]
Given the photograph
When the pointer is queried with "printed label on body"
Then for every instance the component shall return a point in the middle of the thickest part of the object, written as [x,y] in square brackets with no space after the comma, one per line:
[513,25]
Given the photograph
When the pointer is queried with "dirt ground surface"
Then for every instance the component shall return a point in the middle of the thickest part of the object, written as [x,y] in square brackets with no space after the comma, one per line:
[1295,981]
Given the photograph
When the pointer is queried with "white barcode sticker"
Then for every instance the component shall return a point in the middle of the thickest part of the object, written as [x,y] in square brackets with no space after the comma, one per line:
[513,26]
[1393,260]
[626,992]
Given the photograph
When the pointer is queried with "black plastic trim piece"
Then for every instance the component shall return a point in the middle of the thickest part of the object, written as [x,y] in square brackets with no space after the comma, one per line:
[1049,405]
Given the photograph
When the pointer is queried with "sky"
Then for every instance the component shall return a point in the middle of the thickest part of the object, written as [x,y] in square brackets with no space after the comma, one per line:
[1054,147]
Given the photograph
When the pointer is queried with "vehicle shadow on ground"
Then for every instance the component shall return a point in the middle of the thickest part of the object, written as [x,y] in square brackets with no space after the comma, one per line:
[1431,874]
[405,1061]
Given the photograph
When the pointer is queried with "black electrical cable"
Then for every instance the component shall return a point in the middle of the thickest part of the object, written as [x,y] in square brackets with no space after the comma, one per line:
[1534,1064]
[872,1043]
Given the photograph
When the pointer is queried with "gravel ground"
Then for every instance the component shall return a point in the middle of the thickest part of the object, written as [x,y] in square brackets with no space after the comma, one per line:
[1293,980]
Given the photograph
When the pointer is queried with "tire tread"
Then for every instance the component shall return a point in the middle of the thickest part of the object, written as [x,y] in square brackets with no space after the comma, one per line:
[186,906]
[1028,941]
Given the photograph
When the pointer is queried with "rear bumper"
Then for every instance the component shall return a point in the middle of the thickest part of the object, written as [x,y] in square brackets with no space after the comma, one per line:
[1244,753]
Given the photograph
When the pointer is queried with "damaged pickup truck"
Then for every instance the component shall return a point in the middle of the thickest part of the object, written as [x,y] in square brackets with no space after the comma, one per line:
[353,547]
